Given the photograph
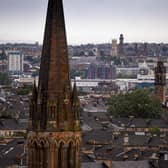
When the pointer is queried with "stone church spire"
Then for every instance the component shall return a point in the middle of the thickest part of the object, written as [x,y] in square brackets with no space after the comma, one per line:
[54,129]
[54,72]
[54,90]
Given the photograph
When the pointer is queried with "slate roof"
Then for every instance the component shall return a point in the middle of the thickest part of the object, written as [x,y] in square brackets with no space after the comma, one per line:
[96,120]
[10,152]
[128,164]
[131,164]
[163,163]
[140,123]
[117,154]
[106,138]
[12,124]
[92,165]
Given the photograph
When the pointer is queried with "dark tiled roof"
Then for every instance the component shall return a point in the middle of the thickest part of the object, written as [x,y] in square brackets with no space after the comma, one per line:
[10,152]
[140,123]
[127,164]
[92,165]
[11,124]
[131,164]
[101,137]
[163,163]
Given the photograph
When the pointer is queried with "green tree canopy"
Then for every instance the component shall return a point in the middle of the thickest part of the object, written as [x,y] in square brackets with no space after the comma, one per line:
[3,56]
[5,79]
[139,103]
[25,90]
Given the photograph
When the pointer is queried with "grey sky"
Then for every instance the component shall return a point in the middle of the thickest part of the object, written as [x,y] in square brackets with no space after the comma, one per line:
[87,20]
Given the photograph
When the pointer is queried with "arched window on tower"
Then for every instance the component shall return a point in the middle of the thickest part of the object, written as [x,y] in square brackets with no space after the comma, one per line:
[70,155]
[77,148]
[43,147]
[61,155]
[35,155]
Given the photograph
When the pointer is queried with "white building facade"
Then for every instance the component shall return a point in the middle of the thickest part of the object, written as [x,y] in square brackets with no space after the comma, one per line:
[15,61]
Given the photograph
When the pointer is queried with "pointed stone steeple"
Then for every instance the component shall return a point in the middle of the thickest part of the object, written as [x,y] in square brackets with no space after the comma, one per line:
[54,90]
[54,136]
[75,103]
[75,108]
[75,94]
[54,69]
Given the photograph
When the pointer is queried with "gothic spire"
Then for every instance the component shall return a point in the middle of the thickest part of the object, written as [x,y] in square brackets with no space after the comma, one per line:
[54,136]
[75,99]
[54,69]
[75,107]
[54,90]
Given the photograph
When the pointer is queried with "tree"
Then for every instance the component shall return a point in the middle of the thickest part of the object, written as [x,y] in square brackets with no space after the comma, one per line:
[35,73]
[74,73]
[5,79]
[154,130]
[124,76]
[25,90]
[3,56]
[139,103]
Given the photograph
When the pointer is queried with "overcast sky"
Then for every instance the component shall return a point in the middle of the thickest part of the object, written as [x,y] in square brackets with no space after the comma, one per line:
[87,21]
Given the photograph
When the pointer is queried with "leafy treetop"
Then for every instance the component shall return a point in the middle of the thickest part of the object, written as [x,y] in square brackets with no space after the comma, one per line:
[139,103]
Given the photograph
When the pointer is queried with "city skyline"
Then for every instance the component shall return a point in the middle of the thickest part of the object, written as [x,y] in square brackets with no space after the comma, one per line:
[87,21]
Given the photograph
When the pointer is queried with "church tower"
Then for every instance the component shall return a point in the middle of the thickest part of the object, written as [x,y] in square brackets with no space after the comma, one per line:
[160,81]
[121,46]
[54,135]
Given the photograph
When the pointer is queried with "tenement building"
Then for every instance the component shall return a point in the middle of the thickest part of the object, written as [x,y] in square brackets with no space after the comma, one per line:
[54,131]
